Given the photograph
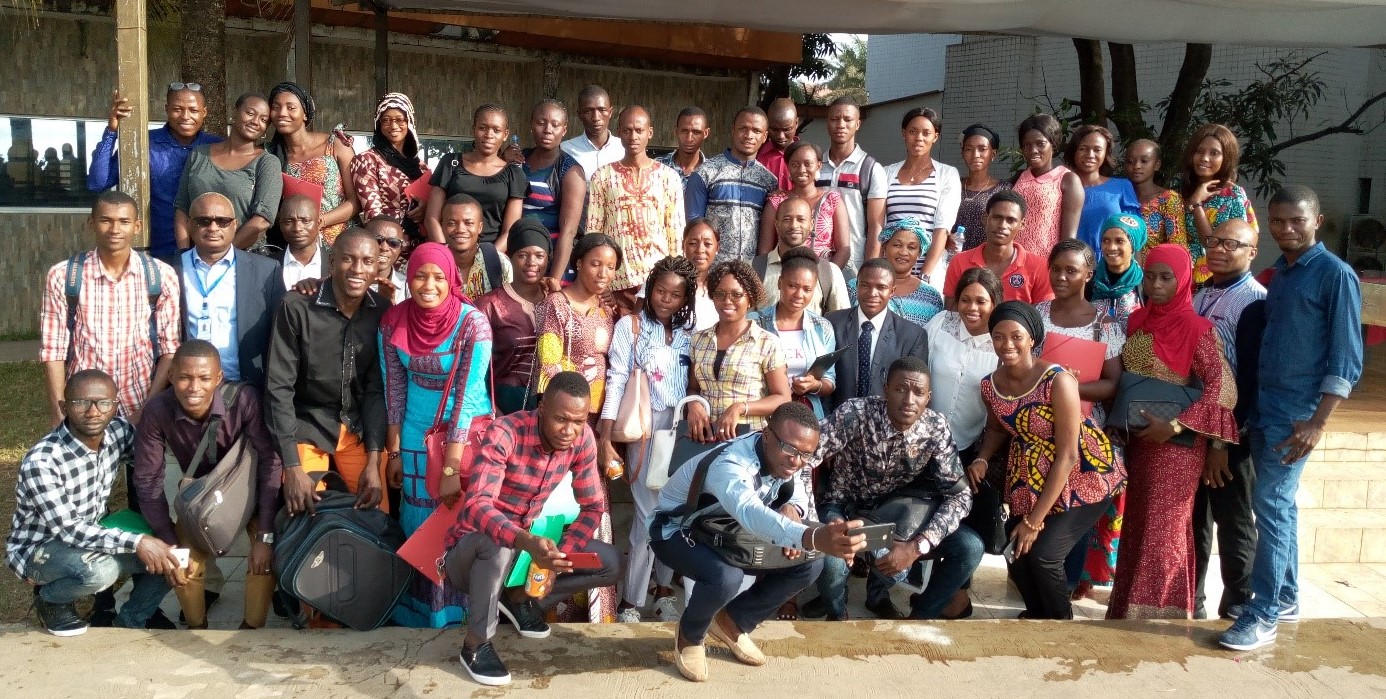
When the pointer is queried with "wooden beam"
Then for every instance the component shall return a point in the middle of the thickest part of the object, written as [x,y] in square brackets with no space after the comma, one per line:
[132,76]
[300,53]
[382,51]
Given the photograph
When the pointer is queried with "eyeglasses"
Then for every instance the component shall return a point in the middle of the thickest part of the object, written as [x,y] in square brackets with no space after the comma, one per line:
[209,221]
[728,295]
[82,405]
[190,87]
[394,243]
[788,449]
[388,121]
[1228,244]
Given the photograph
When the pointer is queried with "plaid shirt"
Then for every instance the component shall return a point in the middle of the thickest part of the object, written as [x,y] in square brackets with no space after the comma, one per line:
[513,476]
[112,326]
[741,376]
[61,493]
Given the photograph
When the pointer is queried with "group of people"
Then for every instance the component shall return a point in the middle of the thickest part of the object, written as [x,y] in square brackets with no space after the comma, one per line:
[870,345]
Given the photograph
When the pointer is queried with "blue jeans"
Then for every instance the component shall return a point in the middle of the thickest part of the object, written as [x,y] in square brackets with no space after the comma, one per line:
[719,584]
[68,574]
[1275,569]
[955,559]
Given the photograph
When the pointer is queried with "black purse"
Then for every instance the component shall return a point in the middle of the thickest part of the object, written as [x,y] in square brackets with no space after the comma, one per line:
[1161,399]
[988,518]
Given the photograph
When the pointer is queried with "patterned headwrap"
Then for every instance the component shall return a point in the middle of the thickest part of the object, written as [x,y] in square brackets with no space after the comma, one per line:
[406,161]
[908,223]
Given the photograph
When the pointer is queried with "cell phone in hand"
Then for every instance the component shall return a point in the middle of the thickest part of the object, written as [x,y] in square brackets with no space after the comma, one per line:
[1009,552]
[583,560]
[878,536]
[183,556]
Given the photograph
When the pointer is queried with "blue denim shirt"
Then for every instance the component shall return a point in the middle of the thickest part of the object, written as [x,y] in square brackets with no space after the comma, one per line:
[1313,339]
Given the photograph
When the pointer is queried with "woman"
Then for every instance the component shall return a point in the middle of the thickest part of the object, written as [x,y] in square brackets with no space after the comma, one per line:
[979,146]
[926,190]
[804,335]
[662,351]
[830,239]
[239,169]
[1053,194]
[1162,209]
[1116,285]
[382,173]
[1210,190]
[961,355]
[1091,155]
[316,158]
[700,249]
[1061,470]
[557,185]
[737,365]
[424,340]
[573,325]
[484,174]
[1169,341]
[510,310]
[914,299]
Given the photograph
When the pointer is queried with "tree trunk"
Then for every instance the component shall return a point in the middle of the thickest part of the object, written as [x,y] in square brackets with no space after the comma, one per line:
[775,84]
[1092,107]
[1179,114]
[204,56]
[1126,99]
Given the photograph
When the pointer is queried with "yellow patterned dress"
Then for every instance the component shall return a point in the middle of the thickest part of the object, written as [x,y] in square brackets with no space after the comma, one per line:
[570,340]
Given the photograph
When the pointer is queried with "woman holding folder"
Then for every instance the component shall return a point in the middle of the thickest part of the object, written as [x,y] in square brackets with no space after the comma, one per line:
[804,335]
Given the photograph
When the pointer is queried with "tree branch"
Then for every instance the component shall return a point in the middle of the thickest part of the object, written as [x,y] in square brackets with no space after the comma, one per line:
[1348,126]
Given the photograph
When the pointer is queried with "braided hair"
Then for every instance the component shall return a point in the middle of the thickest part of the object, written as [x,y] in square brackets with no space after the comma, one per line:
[683,269]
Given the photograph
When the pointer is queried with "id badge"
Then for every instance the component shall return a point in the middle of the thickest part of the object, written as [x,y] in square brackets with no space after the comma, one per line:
[204,328]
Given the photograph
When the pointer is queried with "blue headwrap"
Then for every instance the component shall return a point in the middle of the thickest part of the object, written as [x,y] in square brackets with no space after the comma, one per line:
[911,224]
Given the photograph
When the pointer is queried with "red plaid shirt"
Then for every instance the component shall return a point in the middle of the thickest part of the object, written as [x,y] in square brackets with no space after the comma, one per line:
[112,325]
[513,476]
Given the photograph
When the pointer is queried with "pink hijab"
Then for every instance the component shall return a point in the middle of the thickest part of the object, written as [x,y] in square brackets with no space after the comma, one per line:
[418,330]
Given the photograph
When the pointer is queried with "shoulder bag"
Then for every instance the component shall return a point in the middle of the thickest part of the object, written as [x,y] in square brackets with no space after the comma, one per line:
[214,509]
[633,418]
[673,447]
[1162,399]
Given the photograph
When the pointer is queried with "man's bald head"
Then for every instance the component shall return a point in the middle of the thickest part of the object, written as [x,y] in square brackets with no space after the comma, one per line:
[632,112]
[1227,264]
[1239,229]
[298,205]
[211,204]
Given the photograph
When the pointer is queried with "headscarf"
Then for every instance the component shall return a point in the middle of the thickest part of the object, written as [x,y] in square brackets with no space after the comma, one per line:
[1104,285]
[406,161]
[984,131]
[418,330]
[1020,312]
[529,232]
[1174,327]
[310,110]
[908,223]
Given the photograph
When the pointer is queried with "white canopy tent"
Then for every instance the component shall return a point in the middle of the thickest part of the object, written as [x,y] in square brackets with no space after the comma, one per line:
[1327,23]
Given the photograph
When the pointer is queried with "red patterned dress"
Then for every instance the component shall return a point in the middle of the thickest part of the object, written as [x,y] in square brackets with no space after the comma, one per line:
[1044,208]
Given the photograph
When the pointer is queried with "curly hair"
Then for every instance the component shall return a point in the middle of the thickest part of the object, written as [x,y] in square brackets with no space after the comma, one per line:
[745,276]
[683,269]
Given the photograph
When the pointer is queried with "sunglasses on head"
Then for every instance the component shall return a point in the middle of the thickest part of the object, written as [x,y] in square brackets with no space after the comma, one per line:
[209,221]
[190,87]
[395,243]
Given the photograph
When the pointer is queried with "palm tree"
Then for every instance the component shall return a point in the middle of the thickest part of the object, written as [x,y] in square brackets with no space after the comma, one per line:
[849,75]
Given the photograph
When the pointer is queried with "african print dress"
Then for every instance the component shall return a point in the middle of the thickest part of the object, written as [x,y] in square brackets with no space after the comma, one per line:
[1226,204]
[1164,222]
[323,170]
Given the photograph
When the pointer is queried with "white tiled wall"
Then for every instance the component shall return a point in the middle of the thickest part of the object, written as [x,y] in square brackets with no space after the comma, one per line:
[901,65]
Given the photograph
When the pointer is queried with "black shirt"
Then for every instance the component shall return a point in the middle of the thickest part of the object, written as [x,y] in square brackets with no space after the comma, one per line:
[323,372]
[493,192]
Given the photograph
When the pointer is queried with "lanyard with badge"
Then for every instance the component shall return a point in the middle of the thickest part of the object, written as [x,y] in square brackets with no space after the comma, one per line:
[204,321]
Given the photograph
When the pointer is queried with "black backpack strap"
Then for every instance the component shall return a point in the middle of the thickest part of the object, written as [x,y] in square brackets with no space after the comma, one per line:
[153,284]
[760,264]
[72,289]
[825,285]
[490,257]
[229,391]
[864,175]
[695,488]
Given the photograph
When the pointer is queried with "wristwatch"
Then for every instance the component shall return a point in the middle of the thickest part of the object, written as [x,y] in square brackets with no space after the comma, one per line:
[449,471]
[267,538]
[1174,425]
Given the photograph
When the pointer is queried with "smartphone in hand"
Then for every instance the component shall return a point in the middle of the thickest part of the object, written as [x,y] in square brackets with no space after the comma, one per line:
[878,536]
[1009,552]
[583,560]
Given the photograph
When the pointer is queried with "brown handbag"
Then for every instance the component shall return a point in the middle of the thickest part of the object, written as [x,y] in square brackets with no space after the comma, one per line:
[634,421]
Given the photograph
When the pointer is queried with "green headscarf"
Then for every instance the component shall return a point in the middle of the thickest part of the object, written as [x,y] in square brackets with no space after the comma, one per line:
[1104,285]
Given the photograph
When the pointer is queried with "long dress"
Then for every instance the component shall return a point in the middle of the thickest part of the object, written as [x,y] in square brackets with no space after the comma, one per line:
[413,387]
[1155,571]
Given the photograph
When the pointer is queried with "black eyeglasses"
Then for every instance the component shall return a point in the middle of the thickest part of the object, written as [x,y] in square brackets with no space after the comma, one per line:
[209,221]
[1228,244]
[788,449]
[82,405]
[394,243]
[190,87]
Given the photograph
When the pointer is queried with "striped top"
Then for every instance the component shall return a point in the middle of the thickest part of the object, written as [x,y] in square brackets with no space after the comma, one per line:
[1223,304]
[731,194]
[542,201]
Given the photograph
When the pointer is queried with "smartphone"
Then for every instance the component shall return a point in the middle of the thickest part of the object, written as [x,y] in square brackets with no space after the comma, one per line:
[583,560]
[1009,552]
[878,536]
[183,557]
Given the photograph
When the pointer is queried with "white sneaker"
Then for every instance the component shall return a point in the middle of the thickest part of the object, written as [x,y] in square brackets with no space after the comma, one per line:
[666,609]
[630,615]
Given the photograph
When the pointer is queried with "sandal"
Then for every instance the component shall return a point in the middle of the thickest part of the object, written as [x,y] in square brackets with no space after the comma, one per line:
[789,611]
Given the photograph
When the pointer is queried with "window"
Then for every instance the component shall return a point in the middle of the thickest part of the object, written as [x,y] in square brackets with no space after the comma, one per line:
[44,162]
[433,147]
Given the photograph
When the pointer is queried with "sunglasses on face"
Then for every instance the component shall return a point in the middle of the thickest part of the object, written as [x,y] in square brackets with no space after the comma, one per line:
[394,243]
[190,87]
[211,221]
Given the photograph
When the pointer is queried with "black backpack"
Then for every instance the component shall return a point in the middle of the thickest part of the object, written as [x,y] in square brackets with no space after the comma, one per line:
[72,289]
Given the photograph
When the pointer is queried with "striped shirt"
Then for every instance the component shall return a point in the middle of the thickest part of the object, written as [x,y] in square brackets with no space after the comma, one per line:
[112,328]
[858,179]
[1223,304]
[731,194]
[665,364]
[545,189]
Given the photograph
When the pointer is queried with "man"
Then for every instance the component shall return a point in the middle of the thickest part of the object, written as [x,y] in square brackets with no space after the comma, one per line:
[228,293]
[730,189]
[874,335]
[481,265]
[1311,357]
[525,456]
[690,130]
[57,542]
[389,282]
[784,130]
[745,480]
[857,177]
[124,321]
[1024,275]
[893,460]
[794,224]
[305,257]
[1224,497]
[185,108]
[594,147]
[324,398]
[639,203]
[174,424]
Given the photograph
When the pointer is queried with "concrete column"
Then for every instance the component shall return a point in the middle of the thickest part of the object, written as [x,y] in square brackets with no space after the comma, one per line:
[382,51]
[551,70]
[132,75]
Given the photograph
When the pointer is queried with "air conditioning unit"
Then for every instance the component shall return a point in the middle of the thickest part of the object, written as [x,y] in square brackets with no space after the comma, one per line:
[1366,244]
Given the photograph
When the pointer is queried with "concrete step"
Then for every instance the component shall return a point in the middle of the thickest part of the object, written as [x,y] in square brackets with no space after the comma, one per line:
[1342,535]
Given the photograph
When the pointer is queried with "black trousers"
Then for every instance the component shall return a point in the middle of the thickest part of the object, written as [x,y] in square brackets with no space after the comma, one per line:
[1039,574]
[1228,507]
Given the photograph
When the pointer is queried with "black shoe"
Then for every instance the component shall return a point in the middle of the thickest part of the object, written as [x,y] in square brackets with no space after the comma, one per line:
[484,665]
[1200,613]
[209,598]
[59,619]
[284,604]
[885,609]
[815,608]
[160,622]
[102,618]
[527,618]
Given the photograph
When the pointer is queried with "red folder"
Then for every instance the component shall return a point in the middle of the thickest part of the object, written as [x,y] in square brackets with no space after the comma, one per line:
[425,548]
[294,186]
[419,189]
[1082,357]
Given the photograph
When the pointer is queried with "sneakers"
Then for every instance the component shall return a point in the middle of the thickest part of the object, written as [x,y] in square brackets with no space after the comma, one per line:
[526,616]
[666,609]
[742,646]
[1248,633]
[1287,614]
[59,619]
[691,660]
[629,615]
[484,665]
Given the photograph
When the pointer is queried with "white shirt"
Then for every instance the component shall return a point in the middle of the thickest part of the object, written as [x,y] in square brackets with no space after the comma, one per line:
[210,308]
[589,156]
[877,322]
[957,364]
[295,271]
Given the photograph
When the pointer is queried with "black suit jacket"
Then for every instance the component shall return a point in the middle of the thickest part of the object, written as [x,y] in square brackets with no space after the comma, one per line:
[899,338]
[259,287]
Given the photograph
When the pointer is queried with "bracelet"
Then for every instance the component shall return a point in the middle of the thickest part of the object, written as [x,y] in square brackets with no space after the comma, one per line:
[978,459]
[1033,528]
[391,455]
[813,533]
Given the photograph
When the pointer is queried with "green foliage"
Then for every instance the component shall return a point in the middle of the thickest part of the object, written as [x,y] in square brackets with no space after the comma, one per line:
[849,74]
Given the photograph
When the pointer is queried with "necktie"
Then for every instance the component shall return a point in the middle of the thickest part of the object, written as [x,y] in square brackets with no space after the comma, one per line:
[864,360]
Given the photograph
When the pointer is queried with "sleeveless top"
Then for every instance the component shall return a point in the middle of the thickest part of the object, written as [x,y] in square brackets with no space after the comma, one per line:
[1044,200]
[323,170]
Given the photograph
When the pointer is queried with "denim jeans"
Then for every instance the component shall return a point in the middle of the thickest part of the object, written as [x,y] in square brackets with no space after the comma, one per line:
[719,584]
[1275,569]
[955,559]
[68,574]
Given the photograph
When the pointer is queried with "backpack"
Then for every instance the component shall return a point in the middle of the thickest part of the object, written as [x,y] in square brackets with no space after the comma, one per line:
[72,288]
[213,510]
[490,258]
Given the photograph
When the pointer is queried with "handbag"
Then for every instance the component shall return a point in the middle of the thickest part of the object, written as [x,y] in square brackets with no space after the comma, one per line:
[214,509]
[988,518]
[672,448]
[633,419]
[1162,399]
[435,439]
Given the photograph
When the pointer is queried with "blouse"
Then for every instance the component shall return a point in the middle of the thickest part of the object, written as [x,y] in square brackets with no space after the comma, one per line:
[323,170]
[1044,204]
[493,192]
[818,340]
[1226,204]
[972,211]
[740,375]
[572,341]
[957,364]
[821,242]
[544,198]
[1164,221]
[470,347]
[512,326]
[254,190]
[380,186]
[1100,201]
[1102,329]
[934,201]
[665,364]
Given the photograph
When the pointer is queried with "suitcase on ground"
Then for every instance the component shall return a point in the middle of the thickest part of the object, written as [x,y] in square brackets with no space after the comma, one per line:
[342,561]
